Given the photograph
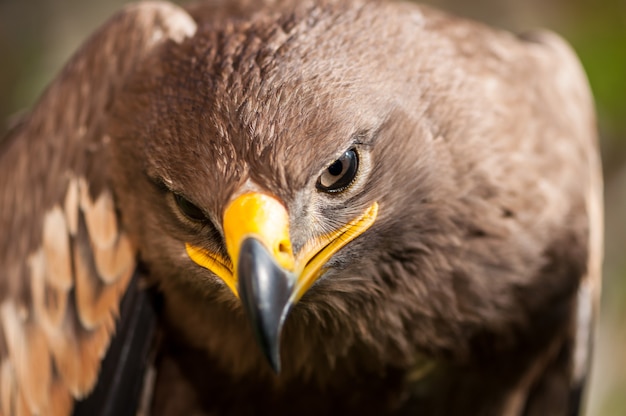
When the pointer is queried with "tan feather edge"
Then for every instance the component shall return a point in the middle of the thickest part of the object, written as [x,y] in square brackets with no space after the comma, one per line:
[55,352]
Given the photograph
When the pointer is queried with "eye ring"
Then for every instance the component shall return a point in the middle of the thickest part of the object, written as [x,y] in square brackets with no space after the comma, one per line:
[188,209]
[340,174]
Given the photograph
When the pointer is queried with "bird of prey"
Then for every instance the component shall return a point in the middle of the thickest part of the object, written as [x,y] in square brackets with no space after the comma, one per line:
[325,207]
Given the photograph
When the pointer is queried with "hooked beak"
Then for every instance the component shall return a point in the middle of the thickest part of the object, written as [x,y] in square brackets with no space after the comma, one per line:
[267,276]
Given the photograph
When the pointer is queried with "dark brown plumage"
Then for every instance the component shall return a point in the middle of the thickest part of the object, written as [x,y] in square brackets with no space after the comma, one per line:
[472,279]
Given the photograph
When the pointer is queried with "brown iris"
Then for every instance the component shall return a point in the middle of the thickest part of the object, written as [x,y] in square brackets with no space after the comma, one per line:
[340,174]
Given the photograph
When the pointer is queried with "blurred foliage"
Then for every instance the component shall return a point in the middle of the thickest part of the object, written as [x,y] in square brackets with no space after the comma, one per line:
[37,36]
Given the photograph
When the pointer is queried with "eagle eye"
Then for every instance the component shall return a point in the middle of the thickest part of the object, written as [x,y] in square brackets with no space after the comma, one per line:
[188,209]
[340,174]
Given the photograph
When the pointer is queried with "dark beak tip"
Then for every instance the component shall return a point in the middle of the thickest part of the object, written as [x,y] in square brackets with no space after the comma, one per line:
[275,363]
[268,339]
[265,290]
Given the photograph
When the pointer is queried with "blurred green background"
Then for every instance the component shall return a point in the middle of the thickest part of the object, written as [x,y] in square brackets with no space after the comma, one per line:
[37,36]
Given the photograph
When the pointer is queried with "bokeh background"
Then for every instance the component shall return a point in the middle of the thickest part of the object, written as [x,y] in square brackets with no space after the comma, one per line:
[38,36]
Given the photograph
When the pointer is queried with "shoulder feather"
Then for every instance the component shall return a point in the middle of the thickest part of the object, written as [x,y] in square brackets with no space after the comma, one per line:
[65,261]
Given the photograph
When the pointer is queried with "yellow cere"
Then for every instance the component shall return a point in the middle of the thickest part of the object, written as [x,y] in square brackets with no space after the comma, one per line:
[263,217]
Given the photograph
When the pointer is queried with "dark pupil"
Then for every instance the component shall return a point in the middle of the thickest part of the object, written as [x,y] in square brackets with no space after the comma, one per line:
[336,168]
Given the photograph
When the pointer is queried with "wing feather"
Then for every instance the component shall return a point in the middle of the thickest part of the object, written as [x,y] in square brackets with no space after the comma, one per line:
[27,350]
[65,261]
[56,249]
[98,298]
[7,387]
[100,218]
[71,206]
[49,301]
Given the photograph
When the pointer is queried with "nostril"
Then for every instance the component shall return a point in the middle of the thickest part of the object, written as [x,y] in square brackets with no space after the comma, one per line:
[283,248]
[283,254]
